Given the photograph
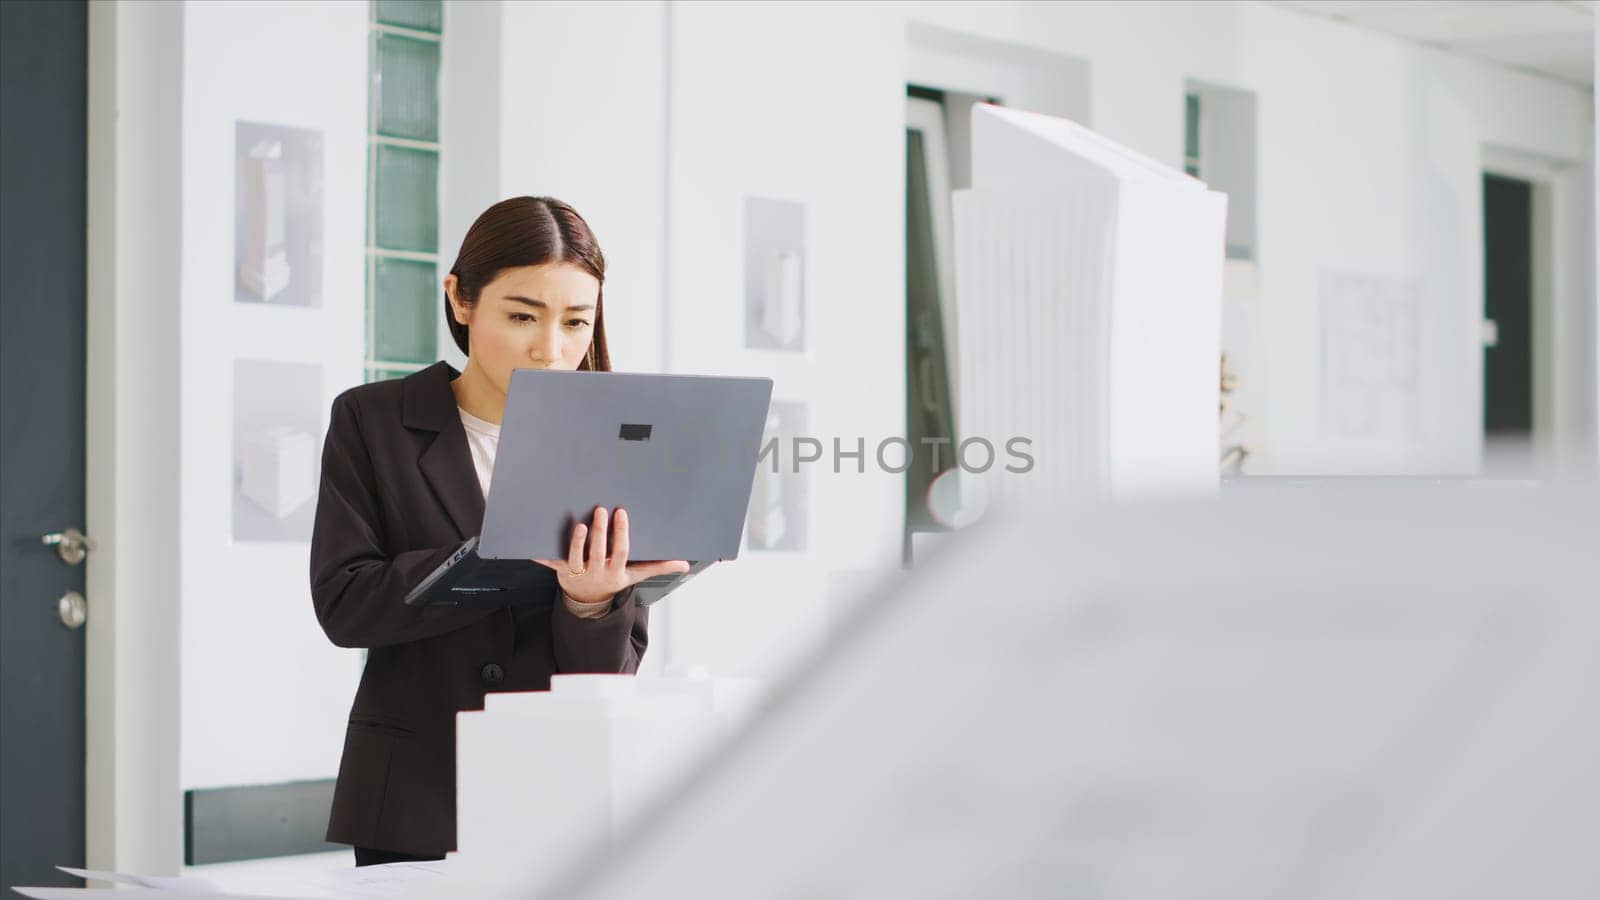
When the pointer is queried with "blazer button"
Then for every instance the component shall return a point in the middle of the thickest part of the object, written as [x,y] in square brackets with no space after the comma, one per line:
[493,675]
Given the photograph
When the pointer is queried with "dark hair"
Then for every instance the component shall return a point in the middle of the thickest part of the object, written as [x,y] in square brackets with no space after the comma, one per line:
[528,231]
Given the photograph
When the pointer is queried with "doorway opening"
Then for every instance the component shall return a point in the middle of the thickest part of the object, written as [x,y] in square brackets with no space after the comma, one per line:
[930,307]
[1509,343]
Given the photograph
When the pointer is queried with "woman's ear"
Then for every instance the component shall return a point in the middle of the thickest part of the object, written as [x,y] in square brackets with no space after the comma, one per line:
[461,313]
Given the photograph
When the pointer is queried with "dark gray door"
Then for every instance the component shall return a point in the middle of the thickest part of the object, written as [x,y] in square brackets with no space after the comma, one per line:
[43,107]
[1508,302]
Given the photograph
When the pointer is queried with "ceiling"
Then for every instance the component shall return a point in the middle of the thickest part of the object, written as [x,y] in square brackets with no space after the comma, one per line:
[1552,38]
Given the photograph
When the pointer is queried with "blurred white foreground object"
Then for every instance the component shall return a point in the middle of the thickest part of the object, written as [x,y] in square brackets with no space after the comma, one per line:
[1357,692]
[1089,300]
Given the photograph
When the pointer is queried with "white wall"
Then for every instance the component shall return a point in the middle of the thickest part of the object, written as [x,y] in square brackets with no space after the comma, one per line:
[800,103]
[582,120]
[264,695]
[469,125]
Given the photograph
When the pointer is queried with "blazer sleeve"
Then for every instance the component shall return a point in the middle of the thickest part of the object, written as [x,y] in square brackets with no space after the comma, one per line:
[357,586]
[613,643]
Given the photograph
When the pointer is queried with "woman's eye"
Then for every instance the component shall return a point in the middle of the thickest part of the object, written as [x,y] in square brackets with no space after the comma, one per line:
[521,317]
[577,323]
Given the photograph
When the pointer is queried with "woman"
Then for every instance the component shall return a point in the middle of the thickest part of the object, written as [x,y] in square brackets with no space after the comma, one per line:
[405,470]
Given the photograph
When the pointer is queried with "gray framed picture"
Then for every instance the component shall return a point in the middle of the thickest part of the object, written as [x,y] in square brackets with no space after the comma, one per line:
[774,274]
[277,203]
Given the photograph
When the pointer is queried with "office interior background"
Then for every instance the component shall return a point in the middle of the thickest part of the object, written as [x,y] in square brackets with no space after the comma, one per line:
[1410,289]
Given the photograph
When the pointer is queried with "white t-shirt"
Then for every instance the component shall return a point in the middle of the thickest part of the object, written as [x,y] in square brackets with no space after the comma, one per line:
[483,439]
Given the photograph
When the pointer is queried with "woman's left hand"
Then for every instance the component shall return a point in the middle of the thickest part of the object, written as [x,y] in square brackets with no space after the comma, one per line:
[598,577]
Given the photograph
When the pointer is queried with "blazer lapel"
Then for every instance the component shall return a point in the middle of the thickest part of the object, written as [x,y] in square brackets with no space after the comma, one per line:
[430,405]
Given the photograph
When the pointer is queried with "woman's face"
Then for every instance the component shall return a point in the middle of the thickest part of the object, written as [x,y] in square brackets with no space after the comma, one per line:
[532,317]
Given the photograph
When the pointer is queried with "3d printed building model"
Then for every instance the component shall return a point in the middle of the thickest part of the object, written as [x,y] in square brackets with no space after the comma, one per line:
[264,266]
[781,302]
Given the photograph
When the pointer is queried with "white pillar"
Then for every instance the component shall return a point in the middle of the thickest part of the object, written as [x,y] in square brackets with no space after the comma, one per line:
[133,808]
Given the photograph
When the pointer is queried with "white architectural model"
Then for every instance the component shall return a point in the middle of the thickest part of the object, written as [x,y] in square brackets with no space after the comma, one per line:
[541,775]
[278,469]
[264,268]
[781,301]
[1088,286]
[768,524]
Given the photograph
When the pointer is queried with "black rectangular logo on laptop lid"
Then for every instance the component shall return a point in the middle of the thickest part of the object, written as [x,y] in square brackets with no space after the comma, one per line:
[634,432]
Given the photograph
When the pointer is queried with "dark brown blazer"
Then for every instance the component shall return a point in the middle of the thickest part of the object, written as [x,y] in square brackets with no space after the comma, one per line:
[399,493]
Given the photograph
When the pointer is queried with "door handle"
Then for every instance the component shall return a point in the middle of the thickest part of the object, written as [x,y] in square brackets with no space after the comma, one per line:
[71,545]
[1491,334]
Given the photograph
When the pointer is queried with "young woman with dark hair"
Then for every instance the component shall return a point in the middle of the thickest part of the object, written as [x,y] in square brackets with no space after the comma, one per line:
[405,470]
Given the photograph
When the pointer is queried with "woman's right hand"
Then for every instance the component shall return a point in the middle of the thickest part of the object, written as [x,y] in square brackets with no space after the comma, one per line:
[594,577]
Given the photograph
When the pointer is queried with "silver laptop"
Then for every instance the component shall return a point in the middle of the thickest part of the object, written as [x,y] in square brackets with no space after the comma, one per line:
[678,452]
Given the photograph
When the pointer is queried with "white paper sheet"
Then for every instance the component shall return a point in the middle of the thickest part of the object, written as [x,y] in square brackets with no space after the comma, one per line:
[159,882]
[134,893]
[385,882]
